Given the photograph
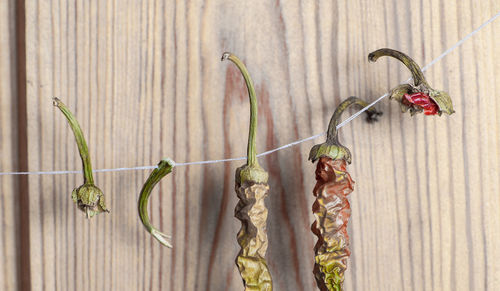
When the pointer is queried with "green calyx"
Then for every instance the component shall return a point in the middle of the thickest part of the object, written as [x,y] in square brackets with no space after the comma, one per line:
[88,197]
[254,174]
[441,98]
[251,172]
[332,147]
[443,101]
[333,151]
[164,167]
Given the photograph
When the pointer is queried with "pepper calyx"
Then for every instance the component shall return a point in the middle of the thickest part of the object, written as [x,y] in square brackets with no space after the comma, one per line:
[333,151]
[443,101]
[89,199]
[252,173]
[404,94]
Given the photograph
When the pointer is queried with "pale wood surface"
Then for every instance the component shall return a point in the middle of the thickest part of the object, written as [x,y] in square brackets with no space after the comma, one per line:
[8,148]
[145,80]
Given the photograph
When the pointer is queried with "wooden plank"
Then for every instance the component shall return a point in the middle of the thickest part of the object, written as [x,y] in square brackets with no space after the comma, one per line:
[145,81]
[9,187]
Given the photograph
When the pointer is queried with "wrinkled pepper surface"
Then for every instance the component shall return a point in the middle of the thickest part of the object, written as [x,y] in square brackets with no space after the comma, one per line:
[252,189]
[331,207]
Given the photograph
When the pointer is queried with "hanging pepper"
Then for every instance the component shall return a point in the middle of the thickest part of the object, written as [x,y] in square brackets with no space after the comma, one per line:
[419,96]
[164,168]
[331,207]
[251,188]
[87,197]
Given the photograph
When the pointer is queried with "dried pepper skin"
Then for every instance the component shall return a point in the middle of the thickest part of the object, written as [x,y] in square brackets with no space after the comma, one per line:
[332,211]
[252,237]
[251,188]
[331,208]
[422,101]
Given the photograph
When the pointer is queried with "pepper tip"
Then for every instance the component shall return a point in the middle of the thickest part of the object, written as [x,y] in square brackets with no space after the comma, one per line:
[225,56]
[372,57]
[55,101]
[169,161]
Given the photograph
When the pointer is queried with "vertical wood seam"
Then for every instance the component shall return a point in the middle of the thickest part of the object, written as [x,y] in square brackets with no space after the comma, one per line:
[23,228]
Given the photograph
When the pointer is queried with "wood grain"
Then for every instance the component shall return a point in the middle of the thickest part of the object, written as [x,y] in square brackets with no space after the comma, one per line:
[144,79]
[9,153]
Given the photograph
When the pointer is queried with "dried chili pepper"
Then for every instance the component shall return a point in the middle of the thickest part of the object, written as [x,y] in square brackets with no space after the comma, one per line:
[419,96]
[164,168]
[331,207]
[251,188]
[88,197]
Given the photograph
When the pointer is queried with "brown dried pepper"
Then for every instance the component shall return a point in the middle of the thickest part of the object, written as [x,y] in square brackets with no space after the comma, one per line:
[331,208]
[251,188]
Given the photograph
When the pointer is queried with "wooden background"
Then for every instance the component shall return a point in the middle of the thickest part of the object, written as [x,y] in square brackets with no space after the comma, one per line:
[145,80]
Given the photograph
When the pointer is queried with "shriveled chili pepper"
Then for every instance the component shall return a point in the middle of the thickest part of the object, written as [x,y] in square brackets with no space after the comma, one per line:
[88,197]
[164,167]
[419,96]
[251,188]
[331,207]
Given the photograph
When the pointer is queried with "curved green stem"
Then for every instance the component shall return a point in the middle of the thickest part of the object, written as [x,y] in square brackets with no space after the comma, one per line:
[417,74]
[332,134]
[251,151]
[332,148]
[164,167]
[80,141]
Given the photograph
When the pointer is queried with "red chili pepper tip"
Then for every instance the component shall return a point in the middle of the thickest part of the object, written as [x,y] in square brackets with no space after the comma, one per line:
[423,101]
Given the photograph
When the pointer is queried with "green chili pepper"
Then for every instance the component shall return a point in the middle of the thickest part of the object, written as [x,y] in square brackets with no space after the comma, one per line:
[419,96]
[331,208]
[164,168]
[88,197]
[251,188]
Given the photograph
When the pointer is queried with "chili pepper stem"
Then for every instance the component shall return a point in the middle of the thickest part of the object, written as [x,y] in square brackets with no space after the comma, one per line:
[252,170]
[332,147]
[88,197]
[80,140]
[332,134]
[417,74]
[164,168]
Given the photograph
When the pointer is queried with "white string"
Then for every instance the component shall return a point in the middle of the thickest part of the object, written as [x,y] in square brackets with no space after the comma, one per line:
[448,51]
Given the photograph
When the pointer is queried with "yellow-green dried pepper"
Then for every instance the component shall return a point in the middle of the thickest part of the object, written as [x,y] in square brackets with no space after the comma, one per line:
[251,188]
